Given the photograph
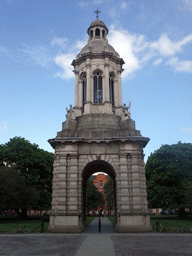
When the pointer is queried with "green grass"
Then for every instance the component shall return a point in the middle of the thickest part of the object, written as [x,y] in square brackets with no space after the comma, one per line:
[111,218]
[90,219]
[8,225]
[171,220]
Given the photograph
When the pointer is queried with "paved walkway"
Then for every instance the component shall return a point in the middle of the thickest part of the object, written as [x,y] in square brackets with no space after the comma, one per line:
[106,226]
[96,244]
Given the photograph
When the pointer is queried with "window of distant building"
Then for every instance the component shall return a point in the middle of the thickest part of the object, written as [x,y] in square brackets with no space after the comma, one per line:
[96,184]
[101,184]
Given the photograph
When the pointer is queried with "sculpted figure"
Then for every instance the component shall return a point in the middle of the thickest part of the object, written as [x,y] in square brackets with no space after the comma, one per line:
[126,110]
[70,113]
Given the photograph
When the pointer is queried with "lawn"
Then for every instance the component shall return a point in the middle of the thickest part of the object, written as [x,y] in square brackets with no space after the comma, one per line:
[172,221]
[90,219]
[35,224]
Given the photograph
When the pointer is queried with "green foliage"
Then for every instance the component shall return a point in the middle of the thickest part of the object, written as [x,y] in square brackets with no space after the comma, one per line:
[109,193]
[94,197]
[35,166]
[168,175]
[14,194]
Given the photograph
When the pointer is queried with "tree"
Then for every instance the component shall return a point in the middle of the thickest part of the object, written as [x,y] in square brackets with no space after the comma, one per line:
[109,193]
[94,197]
[34,164]
[168,175]
[14,193]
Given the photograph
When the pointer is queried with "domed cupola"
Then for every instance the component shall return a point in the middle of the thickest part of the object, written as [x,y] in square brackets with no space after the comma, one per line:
[97,42]
[97,29]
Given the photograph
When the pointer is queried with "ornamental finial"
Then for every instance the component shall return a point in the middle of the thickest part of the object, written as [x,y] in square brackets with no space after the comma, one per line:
[97,12]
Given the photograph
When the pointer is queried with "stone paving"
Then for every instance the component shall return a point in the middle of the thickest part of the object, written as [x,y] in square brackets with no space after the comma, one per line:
[92,243]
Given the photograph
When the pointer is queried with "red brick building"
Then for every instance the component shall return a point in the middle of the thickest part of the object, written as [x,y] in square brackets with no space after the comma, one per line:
[99,181]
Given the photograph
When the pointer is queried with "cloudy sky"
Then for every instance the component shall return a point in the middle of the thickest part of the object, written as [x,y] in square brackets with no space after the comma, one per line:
[40,38]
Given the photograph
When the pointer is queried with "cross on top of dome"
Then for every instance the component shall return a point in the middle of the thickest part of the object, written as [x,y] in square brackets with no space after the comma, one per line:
[97,12]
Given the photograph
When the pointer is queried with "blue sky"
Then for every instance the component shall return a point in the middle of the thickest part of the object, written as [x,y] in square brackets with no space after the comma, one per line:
[40,38]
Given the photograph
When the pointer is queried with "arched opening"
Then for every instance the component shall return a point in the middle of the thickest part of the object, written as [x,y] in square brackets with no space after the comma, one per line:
[103,33]
[98,88]
[88,171]
[91,33]
[97,32]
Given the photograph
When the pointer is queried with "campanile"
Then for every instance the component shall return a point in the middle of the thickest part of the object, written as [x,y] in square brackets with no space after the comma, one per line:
[98,135]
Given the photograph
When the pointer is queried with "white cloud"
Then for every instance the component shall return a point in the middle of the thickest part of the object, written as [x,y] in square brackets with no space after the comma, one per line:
[61,42]
[4,126]
[64,61]
[123,5]
[157,62]
[134,49]
[187,5]
[39,53]
[180,65]
[168,48]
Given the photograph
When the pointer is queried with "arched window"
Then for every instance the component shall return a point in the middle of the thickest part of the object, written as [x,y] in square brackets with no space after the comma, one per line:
[84,82]
[103,33]
[91,33]
[97,32]
[98,90]
[111,88]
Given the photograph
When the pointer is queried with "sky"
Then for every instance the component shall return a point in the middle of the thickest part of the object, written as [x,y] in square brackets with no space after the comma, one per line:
[40,38]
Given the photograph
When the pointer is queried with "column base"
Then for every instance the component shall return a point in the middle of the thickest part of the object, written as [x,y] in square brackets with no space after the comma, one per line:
[64,224]
[134,224]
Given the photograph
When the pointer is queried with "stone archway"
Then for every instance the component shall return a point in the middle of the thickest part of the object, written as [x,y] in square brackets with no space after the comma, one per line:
[89,169]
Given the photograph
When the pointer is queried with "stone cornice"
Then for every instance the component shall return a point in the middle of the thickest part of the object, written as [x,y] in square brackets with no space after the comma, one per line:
[102,55]
[133,139]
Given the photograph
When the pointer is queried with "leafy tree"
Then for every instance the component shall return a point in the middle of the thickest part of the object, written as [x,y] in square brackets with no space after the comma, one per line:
[109,193]
[14,193]
[34,164]
[168,175]
[94,197]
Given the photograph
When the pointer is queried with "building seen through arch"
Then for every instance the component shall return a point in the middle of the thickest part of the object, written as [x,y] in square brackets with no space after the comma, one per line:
[98,136]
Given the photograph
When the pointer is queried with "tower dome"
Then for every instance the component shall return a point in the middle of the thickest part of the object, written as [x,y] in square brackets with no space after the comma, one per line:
[96,23]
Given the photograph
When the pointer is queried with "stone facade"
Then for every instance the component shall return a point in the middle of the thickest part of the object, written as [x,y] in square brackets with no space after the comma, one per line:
[98,135]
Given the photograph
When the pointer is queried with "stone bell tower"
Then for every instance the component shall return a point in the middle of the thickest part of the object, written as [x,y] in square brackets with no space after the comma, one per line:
[98,135]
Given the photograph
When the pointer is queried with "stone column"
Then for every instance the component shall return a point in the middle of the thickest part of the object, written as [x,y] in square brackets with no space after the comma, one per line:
[80,94]
[76,88]
[124,184]
[62,186]
[116,93]
[136,186]
[88,67]
[72,185]
[143,185]
[106,84]
[55,184]
[119,87]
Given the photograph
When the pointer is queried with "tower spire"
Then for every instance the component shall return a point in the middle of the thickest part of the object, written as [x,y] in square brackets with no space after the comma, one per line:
[97,12]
